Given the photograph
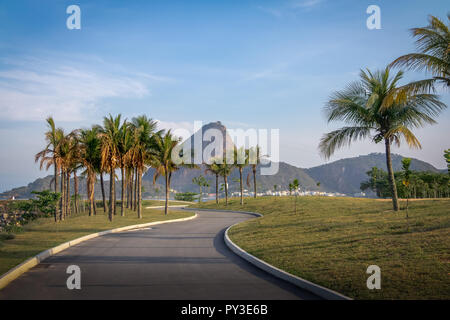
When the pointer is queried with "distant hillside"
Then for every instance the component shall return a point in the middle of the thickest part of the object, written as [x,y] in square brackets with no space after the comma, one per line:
[182,179]
[346,175]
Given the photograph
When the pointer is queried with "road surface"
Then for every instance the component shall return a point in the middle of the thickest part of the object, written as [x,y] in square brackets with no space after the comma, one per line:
[182,260]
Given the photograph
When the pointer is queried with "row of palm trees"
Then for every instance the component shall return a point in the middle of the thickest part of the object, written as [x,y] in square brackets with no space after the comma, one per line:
[128,147]
[377,107]
[241,158]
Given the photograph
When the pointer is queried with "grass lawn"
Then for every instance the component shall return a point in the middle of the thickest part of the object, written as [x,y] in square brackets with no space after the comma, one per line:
[44,233]
[332,241]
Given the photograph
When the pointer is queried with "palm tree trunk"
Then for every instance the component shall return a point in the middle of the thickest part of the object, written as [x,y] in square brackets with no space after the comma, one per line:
[217,188]
[68,209]
[135,188]
[226,190]
[92,210]
[88,186]
[94,203]
[131,188]
[166,206]
[56,187]
[240,185]
[122,213]
[139,193]
[61,207]
[111,195]
[254,181]
[114,193]
[391,174]
[103,191]
[127,183]
[75,185]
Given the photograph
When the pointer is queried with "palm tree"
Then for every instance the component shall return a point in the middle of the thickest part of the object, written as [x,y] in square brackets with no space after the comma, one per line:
[369,109]
[433,43]
[65,159]
[48,156]
[214,168]
[138,155]
[90,156]
[241,157]
[124,145]
[254,158]
[110,157]
[225,170]
[162,161]
[201,182]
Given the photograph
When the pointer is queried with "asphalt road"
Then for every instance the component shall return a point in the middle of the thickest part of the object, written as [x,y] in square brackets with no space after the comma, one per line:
[183,260]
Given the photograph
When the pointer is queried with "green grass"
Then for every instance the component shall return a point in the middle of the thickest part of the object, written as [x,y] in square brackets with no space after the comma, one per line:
[44,233]
[332,241]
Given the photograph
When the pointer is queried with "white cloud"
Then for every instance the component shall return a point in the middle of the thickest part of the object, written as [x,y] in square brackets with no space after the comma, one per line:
[305,3]
[286,9]
[32,90]
[274,12]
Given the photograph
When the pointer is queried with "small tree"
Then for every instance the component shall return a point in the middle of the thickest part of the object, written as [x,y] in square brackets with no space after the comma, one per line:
[447,159]
[406,162]
[295,185]
[201,182]
[46,202]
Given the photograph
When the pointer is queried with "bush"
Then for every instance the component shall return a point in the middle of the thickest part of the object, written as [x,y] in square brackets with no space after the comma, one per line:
[186,196]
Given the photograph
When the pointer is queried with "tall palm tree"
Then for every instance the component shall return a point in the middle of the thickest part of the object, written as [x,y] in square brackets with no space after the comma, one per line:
[65,158]
[110,156]
[90,156]
[433,44]
[241,159]
[48,156]
[124,145]
[214,168]
[143,130]
[163,146]
[371,112]
[225,170]
[254,159]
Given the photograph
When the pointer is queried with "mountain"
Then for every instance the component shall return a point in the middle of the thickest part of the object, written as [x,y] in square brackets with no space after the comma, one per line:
[215,134]
[346,175]
[212,139]
[182,179]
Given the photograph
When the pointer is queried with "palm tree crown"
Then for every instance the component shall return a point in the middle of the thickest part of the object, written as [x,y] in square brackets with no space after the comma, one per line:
[433,43]
[369,110]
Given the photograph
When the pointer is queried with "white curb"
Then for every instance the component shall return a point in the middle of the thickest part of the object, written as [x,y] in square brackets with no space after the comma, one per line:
[318,290]
[17,271]
[172,206]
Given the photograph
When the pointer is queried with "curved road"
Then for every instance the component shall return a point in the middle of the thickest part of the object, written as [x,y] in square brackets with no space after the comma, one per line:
[183,260]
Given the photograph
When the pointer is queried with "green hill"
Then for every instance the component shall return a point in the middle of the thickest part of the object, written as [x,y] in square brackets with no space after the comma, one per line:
[346,175]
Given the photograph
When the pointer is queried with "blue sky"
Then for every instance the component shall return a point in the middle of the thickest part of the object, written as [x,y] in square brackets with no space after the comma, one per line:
[249,64]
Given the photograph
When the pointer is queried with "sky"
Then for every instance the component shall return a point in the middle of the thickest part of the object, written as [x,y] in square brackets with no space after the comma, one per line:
[249,64]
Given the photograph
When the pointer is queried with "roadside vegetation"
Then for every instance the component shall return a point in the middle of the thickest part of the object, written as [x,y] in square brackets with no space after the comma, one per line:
[332,241]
